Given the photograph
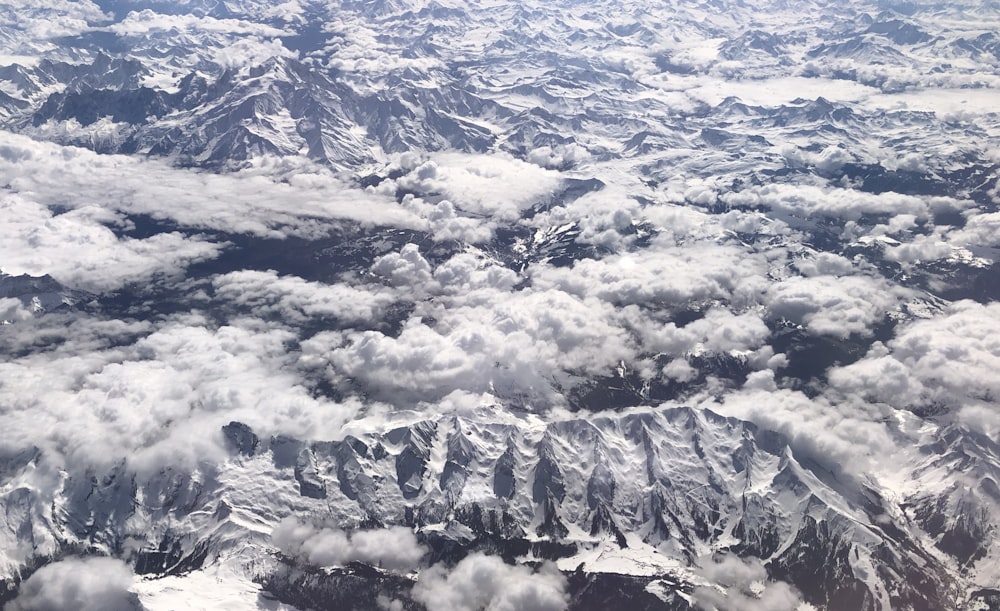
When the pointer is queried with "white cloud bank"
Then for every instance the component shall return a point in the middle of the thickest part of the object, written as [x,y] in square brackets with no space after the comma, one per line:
[78,249]
[284,199]
[394,548]
[81,584]
[950,361]
[486,582]
[741,584]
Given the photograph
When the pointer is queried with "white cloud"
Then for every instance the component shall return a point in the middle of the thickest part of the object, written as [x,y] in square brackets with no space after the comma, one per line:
[558,157]
[679,370]
[719,331]
[358,48]
[844,436]
[466,272]
[292,197]
[161,400]
[496,185]
[741,584]
[147,20]
[824,264]
[486,582]
[980,230]
[250,51]
[807,201]
[295,300]
[831,305]
[604,217]
[12,310]
[697,271]
[44,20]
[394,548]
[80,251]
[830,159]
[445,222]
[82,584]
[526,343]
[950,361]
[405,268]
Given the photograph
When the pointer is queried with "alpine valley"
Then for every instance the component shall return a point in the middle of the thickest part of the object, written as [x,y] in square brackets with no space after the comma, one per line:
[500,304]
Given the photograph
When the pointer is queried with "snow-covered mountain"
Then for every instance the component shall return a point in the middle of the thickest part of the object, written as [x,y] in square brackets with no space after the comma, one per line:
[591,304]
[646,493]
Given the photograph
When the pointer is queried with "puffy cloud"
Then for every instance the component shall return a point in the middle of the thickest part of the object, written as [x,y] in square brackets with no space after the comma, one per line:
[527,343]
[718,331]
[395,548]
[80,251]
[448,223]
[275,200]
[949,360]
[980,230]
[496,186]
[358,47]
[921,248]
[47,19]
[295,300]
[84,584]
[558,157]
[845,436]
[161,400]
[146,20]
[824,264]
[830,159]
[405,268]
[698,271]
[12,310]
[831,305]
[741,584]
[466,272]
[604,217]
[70,333]
[486,582]
[679,370]
[807,201]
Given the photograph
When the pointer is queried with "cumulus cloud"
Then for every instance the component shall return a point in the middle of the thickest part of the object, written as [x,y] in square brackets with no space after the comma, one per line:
[486,582]
[446,222]
[496,186]
[295,300]
[980,230]
[162,399]
[946,361]
[289,199]
[147,20]
[466,273]
[48,19]
[78,249]
[404,268]
[719,331]
[807,201]
[832,305]
[830,159]
[698,271]
[741,584]
[394,548]
[605,217]
[527,344]
[358,48]
[557,157]
[844,436]
[84,584]
[12,310]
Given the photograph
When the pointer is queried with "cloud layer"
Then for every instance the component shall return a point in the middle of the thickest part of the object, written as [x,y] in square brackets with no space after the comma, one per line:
[87,584]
